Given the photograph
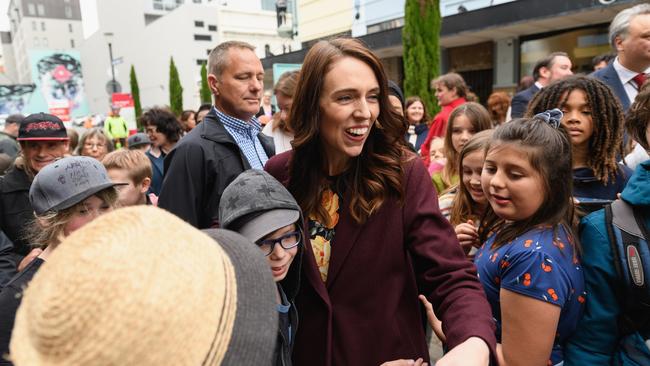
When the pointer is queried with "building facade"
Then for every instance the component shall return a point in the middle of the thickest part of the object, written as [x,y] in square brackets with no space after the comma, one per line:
[149,38]
[38,25]
[492,43]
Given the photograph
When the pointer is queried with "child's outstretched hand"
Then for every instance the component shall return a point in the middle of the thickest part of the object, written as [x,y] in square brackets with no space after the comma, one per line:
[418,362]
[473,352]
[434,322]
[467,235]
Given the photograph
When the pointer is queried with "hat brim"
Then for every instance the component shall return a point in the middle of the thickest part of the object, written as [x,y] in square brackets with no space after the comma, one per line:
[43,139]
[80,197]
[268,222]
[256,322]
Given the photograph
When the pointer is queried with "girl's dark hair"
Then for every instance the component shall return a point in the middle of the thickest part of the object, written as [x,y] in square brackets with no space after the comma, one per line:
[373,176]
[549,153]
[165,122]
[606,142]
[638,117]
[464,208]
[479,117]
[413,99]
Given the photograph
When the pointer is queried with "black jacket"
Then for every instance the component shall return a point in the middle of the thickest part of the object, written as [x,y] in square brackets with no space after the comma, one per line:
[199,168]
[15,210]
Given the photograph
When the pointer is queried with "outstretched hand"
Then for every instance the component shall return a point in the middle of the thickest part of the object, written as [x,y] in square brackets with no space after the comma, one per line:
[473,352]
[467,235]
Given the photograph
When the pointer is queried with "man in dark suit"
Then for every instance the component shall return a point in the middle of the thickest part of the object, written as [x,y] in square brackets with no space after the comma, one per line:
[628,34]
[554,66]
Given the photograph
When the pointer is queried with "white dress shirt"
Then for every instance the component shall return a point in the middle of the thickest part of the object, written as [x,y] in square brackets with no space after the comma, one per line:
[626,75]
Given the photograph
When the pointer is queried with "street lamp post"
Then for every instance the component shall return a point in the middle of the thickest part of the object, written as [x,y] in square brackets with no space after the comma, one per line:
[108,36]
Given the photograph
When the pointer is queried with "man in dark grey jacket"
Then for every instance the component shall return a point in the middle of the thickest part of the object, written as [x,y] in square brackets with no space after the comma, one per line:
[227,142]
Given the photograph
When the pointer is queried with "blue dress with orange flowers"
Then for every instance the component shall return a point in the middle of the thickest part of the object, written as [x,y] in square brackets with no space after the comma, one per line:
[538,265]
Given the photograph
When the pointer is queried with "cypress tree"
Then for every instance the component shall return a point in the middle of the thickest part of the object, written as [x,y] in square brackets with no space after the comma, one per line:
[420,37]
[206,94]
[135,94]
[175,89]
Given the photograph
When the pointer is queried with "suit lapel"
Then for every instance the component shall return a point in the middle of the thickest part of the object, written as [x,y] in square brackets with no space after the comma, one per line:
[617,87]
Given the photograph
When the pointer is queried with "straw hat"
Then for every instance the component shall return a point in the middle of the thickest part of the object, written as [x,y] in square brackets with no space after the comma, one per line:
[138,286]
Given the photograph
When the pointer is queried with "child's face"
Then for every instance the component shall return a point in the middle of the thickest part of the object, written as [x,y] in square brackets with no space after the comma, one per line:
[130,194]
[577,118]
[280,259]
[472,165]
[461,131]
[95,147]
[512,186]
[89,209]
[436,150]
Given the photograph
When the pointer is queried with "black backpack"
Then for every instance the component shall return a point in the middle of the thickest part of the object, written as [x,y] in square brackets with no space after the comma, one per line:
[628,237]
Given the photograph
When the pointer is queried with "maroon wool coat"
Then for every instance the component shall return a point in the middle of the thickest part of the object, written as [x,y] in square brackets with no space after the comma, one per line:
[368,311]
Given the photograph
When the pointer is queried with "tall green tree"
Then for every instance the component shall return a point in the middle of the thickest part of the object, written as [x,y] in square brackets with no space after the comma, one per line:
[206,94]
[420,37]
[175,89]
[135,94]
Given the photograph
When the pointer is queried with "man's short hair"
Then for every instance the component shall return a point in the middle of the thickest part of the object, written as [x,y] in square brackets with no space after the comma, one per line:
[218,58]
[14,119]
[605,57]
[621,23]
[546,62]
[135,162]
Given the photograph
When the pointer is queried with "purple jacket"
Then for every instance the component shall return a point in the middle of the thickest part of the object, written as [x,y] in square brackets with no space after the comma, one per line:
[368,311]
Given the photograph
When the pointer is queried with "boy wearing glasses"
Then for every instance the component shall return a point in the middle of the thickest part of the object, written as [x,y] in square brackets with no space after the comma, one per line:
[258,207]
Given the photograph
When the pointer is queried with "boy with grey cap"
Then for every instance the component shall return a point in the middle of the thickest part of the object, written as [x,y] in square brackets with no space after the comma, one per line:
[257,206]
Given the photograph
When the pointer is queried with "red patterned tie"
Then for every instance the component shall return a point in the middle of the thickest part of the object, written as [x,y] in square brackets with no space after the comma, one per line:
[639,79]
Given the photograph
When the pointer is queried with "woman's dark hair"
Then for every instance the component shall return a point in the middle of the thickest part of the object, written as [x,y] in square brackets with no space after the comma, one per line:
[411,100]
[606,141]
[638,117]
[185,115]
[373,176]
[549,153]
[165,122]
[286,85]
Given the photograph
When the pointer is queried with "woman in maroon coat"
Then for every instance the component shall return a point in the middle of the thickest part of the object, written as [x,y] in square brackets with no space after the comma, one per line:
[377,236]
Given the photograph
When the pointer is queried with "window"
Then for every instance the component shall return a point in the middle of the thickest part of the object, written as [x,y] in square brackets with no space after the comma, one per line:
[40,9]
[197,1]
[201,61]
[198,24]
[68,11]
[202,37]
[72,43]
[70,27]
[157,4]
[34,26]
[212,28]
[43,26]
[31,9]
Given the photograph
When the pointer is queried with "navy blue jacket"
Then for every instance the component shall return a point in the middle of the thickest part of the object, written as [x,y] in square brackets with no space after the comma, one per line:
[609,76]
[520,101]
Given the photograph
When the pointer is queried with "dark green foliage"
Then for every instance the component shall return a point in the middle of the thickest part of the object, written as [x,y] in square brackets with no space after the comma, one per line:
[420,37]
[175,89]
[206,95]
[135,94]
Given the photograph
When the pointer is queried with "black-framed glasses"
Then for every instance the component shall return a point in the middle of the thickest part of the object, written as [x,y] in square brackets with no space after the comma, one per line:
[286,241]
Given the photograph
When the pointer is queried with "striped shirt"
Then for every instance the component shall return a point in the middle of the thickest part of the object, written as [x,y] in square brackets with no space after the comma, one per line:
[245,135]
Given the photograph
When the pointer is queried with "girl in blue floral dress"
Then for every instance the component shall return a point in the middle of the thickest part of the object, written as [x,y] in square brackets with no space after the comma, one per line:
[528,263]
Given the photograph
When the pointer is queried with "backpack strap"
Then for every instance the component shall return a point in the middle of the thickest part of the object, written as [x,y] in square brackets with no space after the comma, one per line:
[628,238]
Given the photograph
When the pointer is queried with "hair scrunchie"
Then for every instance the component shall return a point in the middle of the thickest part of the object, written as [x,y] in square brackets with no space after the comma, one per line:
[553,117]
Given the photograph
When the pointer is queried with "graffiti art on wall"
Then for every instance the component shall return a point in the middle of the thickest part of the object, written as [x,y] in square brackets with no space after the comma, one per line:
[59,83]
[15,98]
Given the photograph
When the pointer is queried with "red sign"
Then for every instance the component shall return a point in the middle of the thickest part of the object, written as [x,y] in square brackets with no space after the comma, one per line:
[62,113]
[121,100]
